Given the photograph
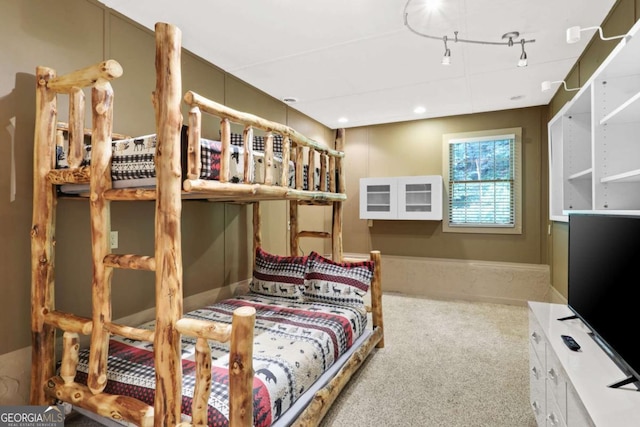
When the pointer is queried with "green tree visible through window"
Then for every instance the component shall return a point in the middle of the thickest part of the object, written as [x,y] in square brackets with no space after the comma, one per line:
[482,182]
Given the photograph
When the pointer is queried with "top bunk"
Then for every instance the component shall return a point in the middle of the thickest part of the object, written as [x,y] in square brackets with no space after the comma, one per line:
[264,160]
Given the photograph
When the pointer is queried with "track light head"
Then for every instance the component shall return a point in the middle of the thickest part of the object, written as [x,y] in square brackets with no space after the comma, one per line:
[523,56]
[446,58]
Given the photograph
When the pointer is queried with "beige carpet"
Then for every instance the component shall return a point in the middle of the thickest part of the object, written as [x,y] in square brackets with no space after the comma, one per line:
[445,364]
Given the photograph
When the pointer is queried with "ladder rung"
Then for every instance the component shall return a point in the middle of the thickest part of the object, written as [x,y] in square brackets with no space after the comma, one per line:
[206,329]
[131,262]
[130,194]
[79,175]
[130,332]
[68,322]
[320,234]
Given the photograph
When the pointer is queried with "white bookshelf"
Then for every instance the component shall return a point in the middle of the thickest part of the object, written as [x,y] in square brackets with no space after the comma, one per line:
[594,140]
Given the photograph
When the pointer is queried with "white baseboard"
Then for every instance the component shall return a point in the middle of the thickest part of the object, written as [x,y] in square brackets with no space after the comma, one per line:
[439,278]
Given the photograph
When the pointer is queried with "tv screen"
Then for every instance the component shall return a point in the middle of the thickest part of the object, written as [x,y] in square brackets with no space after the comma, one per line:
[604,282]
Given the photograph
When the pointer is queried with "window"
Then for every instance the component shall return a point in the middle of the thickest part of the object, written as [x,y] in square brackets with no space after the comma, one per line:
[483,179]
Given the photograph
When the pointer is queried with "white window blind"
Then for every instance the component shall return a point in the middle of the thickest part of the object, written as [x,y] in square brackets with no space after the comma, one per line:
[483,182]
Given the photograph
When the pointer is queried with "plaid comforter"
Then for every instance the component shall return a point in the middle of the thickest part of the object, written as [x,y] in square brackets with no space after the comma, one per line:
[294,343]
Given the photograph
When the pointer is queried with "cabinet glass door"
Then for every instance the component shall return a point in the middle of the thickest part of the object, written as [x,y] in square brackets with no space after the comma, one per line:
[378,198]
[418,197]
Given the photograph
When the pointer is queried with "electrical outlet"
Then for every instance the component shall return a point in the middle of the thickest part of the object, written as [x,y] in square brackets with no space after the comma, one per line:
[114,240]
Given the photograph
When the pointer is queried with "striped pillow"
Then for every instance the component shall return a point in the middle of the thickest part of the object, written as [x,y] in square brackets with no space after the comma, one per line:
[337,282]
[281,276]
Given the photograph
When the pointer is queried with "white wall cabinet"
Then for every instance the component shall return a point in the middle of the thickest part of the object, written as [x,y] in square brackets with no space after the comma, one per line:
[594,150]
[569,388]
[405,197]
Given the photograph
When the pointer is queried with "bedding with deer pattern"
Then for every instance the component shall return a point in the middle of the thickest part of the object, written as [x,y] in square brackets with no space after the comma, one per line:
[294,343]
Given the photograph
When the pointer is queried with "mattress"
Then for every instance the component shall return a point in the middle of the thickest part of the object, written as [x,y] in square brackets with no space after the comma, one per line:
[132,164]
[294,344]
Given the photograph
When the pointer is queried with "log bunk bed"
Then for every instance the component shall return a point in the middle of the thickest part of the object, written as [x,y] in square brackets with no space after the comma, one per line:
[88,390]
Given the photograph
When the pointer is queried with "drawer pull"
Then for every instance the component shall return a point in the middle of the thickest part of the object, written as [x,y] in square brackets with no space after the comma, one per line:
[536,406]
[535,337]
[552,375]
[553,420]
[534,370]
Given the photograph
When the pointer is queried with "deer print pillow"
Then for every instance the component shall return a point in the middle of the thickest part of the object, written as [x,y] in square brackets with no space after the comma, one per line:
[281,276]
[337,282]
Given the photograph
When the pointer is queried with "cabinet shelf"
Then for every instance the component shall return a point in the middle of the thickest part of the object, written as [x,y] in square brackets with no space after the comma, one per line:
[630,176]
[627,112]
[582,175]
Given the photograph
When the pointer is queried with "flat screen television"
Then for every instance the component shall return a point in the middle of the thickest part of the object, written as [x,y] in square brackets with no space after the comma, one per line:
[604,285]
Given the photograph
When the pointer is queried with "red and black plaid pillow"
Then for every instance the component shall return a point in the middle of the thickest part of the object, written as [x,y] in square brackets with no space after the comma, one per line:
[337,282]
[281,276]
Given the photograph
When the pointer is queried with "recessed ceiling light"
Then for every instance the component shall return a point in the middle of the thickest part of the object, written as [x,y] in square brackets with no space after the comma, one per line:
[290,99]
[343,120]
[419,110]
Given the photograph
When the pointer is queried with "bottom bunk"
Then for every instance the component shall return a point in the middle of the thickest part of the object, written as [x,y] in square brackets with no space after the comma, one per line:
[311,332]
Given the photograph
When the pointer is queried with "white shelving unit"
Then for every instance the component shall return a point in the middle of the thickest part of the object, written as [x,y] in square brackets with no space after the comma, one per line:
[594,148]
[405,197]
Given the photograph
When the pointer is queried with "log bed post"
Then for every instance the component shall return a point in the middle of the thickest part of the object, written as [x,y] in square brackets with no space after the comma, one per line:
[168,250]
[294,244]
[102,107]
[376,295]
[241,368]
[257,231]
[336,234]
[43,238]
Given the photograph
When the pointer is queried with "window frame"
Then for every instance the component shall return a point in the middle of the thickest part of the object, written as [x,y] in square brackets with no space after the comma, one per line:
[488,135]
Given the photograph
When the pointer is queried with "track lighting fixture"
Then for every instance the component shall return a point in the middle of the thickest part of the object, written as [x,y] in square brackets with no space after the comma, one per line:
[523,56]
[573,34]
[546,85]
[446,58]
[510,38]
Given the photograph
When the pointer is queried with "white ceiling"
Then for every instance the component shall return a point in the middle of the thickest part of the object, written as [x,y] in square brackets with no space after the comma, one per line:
[356,59]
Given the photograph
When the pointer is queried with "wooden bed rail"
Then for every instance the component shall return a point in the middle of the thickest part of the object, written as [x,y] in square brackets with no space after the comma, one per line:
[224,112]
[293,141]
[122,408]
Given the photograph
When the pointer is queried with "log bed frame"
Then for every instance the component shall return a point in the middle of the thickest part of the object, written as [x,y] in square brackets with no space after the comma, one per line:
[166,262]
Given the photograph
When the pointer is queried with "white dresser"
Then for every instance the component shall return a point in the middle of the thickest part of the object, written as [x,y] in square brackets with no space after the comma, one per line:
[570,388]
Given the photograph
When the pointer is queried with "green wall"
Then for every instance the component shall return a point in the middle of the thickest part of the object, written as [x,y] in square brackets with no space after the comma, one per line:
[415,148]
